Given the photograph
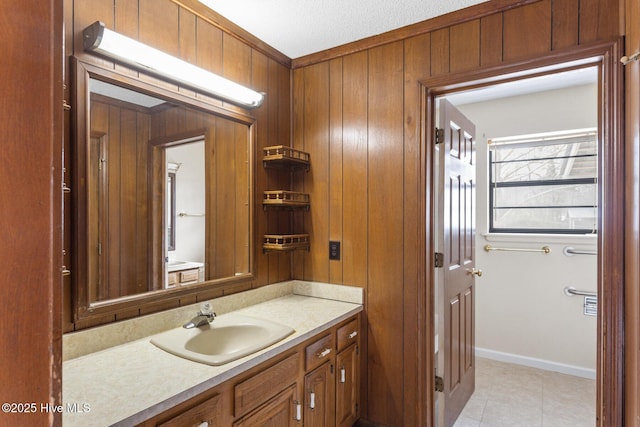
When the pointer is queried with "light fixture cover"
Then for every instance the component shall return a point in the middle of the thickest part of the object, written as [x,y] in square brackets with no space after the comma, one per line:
[123,49]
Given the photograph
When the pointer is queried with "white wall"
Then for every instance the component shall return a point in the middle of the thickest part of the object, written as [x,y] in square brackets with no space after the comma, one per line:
[190,198]
[521,310]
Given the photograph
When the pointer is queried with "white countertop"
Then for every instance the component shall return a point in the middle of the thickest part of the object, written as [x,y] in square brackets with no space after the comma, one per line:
[132,382]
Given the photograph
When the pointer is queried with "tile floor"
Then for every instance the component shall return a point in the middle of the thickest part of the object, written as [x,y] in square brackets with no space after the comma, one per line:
[518,396]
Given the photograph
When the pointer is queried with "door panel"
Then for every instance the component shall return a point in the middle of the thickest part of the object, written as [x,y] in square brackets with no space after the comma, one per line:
[458,220]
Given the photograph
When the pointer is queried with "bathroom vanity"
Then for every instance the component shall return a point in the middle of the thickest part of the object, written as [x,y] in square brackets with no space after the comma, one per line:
[312,376]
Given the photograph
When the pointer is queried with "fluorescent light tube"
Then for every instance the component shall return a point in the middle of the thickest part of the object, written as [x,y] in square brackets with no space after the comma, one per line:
[101,40]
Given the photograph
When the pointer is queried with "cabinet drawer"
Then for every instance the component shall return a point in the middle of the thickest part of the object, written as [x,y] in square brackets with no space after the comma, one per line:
[205,412]
[348,334]
[318,352]
[262,386]
[172,278]
[189,275]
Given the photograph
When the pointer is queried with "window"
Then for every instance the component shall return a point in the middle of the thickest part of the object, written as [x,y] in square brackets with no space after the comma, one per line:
[545,183]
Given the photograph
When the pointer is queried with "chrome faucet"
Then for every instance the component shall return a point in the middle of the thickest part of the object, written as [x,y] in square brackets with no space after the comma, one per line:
[204,317]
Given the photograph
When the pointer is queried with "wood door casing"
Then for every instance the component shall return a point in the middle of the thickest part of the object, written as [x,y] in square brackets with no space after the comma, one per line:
[458,220]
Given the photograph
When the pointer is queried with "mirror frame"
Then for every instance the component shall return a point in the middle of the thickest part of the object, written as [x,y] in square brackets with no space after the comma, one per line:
[155,300]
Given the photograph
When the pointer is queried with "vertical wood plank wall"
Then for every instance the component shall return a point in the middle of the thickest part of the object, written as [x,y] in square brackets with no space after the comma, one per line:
[198,39]
[31,122]
[356,109]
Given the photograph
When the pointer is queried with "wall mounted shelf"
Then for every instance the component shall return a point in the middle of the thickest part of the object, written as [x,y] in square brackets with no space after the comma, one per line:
[280,156]
[285,199]
[285,242]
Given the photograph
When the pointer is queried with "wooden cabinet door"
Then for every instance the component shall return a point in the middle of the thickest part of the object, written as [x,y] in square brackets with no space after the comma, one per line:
[319,397]
[280,411]
[347,386]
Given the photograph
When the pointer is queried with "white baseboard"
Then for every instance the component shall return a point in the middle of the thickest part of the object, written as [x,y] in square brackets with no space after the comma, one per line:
[547,365]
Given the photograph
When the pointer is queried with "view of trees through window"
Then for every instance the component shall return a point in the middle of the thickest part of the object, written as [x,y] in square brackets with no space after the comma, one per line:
[544,183]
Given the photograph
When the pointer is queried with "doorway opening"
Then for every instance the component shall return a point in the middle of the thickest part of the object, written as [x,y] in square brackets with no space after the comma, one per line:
[509,302]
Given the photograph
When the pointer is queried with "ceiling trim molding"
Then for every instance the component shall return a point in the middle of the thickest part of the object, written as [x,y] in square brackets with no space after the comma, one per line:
[234,30]
[456,17]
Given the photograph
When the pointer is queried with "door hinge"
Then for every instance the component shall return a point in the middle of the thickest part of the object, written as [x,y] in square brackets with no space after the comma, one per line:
[439,383]
[438,260]
[439,136]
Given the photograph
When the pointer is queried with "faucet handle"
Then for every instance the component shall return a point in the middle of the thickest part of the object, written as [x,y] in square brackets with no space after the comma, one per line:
[206,310]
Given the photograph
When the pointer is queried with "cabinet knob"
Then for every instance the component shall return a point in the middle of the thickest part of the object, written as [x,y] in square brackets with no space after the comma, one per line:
[312,400]
[204,424]
[353,334]
[343,375]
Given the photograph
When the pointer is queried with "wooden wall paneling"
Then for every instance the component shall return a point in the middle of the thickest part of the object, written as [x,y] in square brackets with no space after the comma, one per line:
[84,14]
[527,31]
[283,136]
[416,361]
[113,140]
[153,15]
[187,36]
[279,263]
[225,196]
[128,206]
[143,245]
[187,40]
[236,65]
[565,23]
[385,156]
[299,123]
[465,46]
[491,40]
[125,22]
[354,185]
[599,20]
[316,143]
[211,201]
[260,73]
[440,56]
[208,51]
[336,195]
[31,131]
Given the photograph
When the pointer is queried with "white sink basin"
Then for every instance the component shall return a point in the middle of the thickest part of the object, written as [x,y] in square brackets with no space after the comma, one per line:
[227,338]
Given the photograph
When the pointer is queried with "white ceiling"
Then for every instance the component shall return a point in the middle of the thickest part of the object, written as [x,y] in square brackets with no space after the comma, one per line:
[301,27]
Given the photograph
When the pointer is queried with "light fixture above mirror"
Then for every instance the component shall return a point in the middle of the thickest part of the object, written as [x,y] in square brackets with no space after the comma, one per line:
[108,43]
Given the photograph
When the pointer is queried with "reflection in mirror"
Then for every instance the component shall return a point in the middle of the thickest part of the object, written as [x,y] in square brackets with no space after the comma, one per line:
[185,216]
[165,196]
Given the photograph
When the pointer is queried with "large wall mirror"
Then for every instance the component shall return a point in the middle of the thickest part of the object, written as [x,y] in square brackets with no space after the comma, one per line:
[164,191]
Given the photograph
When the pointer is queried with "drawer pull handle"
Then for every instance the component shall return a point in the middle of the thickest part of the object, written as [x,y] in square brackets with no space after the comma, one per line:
[298,411]
[312,400]
[343,375]
[324,353]
[353,334]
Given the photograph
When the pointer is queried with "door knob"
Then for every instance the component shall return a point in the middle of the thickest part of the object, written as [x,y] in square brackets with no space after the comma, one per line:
[475,272]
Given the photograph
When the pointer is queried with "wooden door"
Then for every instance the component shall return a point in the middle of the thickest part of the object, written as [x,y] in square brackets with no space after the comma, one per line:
[347,386]
[319,392]
[458,221]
